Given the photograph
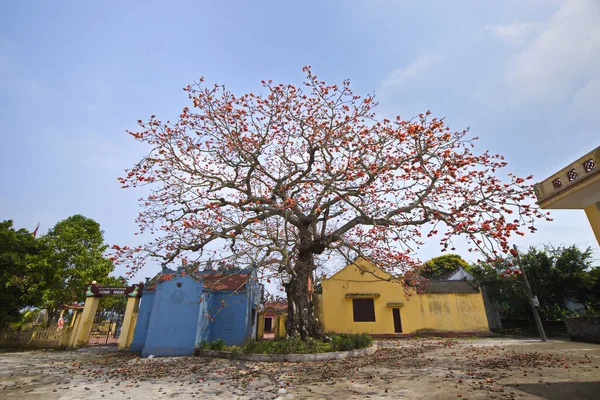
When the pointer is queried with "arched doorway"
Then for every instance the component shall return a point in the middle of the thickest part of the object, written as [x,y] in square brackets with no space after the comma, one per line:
[271,320]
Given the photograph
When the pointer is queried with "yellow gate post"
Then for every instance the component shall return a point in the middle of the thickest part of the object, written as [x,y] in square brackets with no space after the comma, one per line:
[281,329]
[84,327]
[73,318]
[277,320]
[133,304]
[261,326]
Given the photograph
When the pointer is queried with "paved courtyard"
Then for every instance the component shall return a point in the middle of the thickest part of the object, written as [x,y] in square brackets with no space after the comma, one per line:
[498,368]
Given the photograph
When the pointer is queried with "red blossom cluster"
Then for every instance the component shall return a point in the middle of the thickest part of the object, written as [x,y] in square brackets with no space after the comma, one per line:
[298,174]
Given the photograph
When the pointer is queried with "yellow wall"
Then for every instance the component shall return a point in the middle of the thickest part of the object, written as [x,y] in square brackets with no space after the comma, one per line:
[260,326]
[593,215]
[84,327]
[279,321]
[440,312]
[129,322]
[278,325]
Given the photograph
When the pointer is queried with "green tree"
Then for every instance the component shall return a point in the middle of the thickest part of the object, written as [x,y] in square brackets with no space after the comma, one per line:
[71,256]
[112,305]
[16,246]
[555,274]
[594,301]
[439,266]
[573,273]
[504,286]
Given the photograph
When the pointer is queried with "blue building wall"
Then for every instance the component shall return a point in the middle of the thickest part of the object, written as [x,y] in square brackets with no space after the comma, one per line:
[174,318]
[180,313]
[230,313]
[203,330]
[254,301]
[143,321]
[233,314]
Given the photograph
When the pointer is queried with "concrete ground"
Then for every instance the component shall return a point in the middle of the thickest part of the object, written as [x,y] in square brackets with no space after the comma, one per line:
[497,368]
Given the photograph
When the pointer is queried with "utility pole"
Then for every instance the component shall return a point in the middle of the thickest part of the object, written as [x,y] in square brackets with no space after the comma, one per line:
[536,316]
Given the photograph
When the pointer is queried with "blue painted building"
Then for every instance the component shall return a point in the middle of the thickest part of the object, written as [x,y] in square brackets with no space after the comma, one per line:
[180,310]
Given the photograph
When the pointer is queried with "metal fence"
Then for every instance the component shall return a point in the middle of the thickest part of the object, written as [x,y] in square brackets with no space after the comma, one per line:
[106,329]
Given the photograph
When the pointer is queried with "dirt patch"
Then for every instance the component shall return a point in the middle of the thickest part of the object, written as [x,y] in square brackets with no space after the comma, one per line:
[414,368]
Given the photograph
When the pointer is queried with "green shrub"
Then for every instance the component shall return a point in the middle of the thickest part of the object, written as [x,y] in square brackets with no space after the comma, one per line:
[345,341]
[362,341]
[217,345]
[257,347]
[295,345]
[233,349]
[203,345]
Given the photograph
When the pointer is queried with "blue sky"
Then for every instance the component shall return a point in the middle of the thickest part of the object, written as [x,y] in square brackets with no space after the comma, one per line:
[524,75]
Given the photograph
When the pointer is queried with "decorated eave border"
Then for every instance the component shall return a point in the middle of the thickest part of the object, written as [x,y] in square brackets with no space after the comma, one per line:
[569,176]
[572,174]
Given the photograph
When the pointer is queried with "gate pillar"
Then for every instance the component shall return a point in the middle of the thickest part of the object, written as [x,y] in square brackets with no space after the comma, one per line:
[260,328]
[133,304]
[73,318]
[277,321]
[84,327]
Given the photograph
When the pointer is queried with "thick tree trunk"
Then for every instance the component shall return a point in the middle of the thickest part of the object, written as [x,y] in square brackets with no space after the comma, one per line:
[301,319]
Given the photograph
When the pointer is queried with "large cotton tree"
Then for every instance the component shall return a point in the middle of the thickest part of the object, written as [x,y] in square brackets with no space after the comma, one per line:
[283,180]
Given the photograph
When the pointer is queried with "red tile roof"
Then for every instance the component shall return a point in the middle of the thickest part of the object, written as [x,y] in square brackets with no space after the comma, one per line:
[156,280]
[74,306]
[225,281]
[215,282]
[277,306]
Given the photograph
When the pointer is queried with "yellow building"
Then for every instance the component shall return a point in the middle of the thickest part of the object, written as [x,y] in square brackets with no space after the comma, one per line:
[363,298]
[577,186]
[271,320]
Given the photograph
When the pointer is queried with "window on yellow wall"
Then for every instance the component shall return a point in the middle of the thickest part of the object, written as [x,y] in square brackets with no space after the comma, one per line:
[363,310]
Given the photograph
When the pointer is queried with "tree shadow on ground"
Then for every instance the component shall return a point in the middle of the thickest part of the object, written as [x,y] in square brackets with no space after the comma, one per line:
[561,390]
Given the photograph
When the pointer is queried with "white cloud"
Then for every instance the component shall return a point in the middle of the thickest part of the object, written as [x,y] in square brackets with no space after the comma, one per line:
[563,57]
[516,33]
[421,67]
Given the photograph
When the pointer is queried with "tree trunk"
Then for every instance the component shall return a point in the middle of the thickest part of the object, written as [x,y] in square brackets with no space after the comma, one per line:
[52,315]
[301,319]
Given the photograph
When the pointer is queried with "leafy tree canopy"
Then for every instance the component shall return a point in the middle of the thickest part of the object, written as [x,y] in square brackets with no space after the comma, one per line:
[16,246]
[440,266]
[112,305]
[71,256]
[555,275]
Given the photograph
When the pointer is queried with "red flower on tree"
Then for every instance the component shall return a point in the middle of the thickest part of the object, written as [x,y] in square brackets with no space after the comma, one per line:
[284,180]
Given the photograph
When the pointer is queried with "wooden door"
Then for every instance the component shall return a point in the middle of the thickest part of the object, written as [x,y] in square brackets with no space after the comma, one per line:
[397,320]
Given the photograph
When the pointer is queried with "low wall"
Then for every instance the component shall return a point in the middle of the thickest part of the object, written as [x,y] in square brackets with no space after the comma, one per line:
[552,328]
[334,355]
[36,338]
[432,333]
[584,329]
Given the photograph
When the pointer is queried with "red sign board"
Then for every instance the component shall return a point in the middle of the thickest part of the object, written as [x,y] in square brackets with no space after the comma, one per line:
[129,291]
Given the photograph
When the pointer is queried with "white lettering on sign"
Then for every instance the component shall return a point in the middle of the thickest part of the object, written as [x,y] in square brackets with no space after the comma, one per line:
[111,291]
